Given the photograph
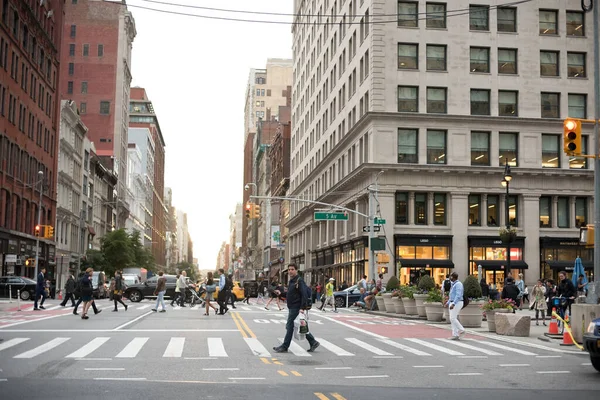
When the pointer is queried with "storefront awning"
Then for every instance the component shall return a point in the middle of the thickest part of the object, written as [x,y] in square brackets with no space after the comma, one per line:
[498,265]
[569,265]
[425,263]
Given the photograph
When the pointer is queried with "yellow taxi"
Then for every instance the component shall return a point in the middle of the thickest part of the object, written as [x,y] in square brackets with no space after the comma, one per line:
[238,291]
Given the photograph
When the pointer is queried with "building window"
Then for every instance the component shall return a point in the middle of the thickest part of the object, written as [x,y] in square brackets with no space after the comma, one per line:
[480,102]
[479,18]
[548,22]
[507,19]
[73,30]
[401,208]
[575,23]
[104,107]
[436,57]
[577,105]
[580,162]
[513,210]
[439,209]
[86,50]
[545,212]
[550,151]
[437,100]
[474,210]
[71,68]
[493,202]
[436,15]
[480,148]
[408,56]
[508,149]
[562,212]
[100,50]
[83,108]
[550,105]
[420,208]
[507,61]
[436,147]
[576,65]
[508,103]
[581,212]
[70,87]
[480,59]
[408,15]
[549,63]
[408,146]
[408,99]
[71,50]
[84,87]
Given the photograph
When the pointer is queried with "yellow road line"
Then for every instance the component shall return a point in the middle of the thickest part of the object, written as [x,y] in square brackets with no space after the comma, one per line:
[338,396]
[282,373]
[277,363]
[296,373]
[265,360]
[239,326]
[321,396]
[248,330]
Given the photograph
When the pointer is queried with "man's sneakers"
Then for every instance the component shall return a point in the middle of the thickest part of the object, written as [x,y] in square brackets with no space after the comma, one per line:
[280,349]
[42,307]
[313,347]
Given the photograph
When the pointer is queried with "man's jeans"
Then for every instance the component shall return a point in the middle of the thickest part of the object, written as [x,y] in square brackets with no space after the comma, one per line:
[39,293]
[456,325]
[161,299]
[67,297]
[292,314]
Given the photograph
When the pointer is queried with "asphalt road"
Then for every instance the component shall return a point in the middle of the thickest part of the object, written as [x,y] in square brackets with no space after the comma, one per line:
[182,353]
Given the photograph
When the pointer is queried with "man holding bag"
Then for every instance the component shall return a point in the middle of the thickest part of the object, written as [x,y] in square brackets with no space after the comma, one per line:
[295,294]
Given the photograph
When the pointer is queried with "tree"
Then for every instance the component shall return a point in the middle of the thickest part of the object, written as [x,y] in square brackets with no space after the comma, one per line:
[142,256]
[190,269]
[94,259]
[117,250]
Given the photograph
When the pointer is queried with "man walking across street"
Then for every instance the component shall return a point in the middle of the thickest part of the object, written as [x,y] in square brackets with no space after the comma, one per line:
[222,296]
[40,290]
[161,288]
[69,290]
[455,303]
[295,294]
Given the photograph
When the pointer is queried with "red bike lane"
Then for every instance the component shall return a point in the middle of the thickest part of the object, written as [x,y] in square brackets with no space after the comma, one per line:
[10,314]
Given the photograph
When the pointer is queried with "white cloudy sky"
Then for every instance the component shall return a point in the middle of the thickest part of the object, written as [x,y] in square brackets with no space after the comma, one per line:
[195,71]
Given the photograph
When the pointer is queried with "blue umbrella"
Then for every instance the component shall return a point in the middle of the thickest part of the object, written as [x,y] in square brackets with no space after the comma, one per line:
[579,270]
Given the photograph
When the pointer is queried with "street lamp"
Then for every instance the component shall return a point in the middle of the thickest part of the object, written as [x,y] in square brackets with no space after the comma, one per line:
[506,183]
[39,222]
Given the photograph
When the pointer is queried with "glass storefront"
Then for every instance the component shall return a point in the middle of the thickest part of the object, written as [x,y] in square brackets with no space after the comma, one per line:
[345,262]
[488,256]
[559,254]
[422,255]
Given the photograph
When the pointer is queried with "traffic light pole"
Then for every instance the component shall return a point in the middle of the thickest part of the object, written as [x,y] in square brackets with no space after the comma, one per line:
[39,222]
[596,18]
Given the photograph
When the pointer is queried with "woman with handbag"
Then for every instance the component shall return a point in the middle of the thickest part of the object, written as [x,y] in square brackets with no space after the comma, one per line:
[211,287]
[118,291]
[539,302]
[87,291]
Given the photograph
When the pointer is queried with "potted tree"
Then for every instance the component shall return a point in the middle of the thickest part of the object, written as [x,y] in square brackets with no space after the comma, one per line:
[434,306]
[380,303]
[408,300]
[508,235]
[492,307]
[425,285]
[397,302]
[471,316]
[392,284]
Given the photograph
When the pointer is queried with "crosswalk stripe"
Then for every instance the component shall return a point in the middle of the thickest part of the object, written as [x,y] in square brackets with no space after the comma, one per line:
[468,346]
[175,347]
[133,348]
[89,348]
[338,351]
[257,348]
[12,342]
[54,308]
[296,349]
[368,347]
[43,348]
[143,307]
[499,346]
[246,308]
[216,348]
[404,347]
[435,347]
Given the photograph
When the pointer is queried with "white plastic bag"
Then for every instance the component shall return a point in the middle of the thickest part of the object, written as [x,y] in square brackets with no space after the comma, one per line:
[300,327]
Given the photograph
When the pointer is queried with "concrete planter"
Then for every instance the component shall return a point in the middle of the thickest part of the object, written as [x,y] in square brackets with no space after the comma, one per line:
[410,307]
[389,306]
[420,302]
[491,317]
[380,303]
[434,311]
[472,315]
[446,315]
[398,305]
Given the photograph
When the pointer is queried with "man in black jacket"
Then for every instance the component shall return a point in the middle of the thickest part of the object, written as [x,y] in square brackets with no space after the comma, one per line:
[69,290]
[566,289]
[511,291]
[294,302]
[40,290]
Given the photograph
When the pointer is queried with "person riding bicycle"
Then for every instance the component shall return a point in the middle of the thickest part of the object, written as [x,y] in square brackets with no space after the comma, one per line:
[566,289]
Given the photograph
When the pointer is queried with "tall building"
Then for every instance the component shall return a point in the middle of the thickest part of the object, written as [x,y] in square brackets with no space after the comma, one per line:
[137,189]
[96,74]
[102,215]
[441,102]
[30,43]
[266,92]
[144,117]
[224,258]
[182,235]
[141,140]
[171,226]
[235,237]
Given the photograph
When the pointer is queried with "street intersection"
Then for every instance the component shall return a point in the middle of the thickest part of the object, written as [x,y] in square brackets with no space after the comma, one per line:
[142,349]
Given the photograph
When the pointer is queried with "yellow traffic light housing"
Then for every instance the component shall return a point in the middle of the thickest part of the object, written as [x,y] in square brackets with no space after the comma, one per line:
[49,232]
[256,211]
[383,270]
[572,137]
[249,210]
[383,258]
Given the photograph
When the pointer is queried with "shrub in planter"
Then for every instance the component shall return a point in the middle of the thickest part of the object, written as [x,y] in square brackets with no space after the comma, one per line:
[392,284]
[433,305]
[471,316]
[426,284]
[434,296]
[472,287]
[407,292]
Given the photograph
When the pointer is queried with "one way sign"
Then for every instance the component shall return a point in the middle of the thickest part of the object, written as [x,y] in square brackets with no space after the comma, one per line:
[377,228]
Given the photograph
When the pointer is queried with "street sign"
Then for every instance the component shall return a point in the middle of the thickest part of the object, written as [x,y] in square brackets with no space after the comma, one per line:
[375,228]
[379,221]
[328,216]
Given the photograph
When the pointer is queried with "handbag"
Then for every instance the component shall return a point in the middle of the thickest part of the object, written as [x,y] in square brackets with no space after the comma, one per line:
[211,288]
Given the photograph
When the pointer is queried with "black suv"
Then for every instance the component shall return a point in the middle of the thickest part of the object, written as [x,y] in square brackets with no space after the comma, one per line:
[139,291]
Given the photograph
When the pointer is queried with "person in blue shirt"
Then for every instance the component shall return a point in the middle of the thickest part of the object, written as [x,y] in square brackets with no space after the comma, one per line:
[455,304]
[40,290]
[221,297]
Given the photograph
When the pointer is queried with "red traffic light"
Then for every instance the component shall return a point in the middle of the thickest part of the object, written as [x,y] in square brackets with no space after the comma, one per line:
[248,206]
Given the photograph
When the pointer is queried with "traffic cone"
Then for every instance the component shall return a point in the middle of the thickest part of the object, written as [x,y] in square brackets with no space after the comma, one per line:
[60,295]
[567,339]
[553,327]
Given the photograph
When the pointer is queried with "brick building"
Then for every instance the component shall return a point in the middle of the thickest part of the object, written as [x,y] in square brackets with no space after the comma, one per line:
[30,44]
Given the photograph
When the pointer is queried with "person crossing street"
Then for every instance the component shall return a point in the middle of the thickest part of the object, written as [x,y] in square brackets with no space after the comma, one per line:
[69,290]
[40,290]
[455,304]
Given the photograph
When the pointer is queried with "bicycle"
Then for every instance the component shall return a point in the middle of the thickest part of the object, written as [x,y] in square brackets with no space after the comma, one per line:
[561,304]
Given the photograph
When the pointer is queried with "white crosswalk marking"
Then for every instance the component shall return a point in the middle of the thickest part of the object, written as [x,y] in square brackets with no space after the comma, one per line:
[514,350]
[404,347]
[468,346]
[133,348]
[53,308]
[257,348]
[338,351]
[246,308]
[216,348]
[143,307]
[43,348]
[435,347]
[89,348]
[12,342]
[296,349]
[175,347]
[368,347]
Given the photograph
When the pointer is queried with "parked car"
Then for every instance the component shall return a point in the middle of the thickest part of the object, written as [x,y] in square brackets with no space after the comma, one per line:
[131,279]
[346,296]
[25,285]
[591,342]
[139,291]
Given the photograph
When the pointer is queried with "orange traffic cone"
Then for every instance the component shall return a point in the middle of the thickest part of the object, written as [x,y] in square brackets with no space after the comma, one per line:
[567,339]
[60,295]
[553,327]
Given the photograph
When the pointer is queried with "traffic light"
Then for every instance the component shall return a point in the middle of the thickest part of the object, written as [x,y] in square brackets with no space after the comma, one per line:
[49,232]
[383,258]
[38,228]
[572,136]
[248,210]
[256,211]
[383,270]
[28,262]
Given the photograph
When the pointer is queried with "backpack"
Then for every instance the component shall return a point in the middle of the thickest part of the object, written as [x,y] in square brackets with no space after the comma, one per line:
[77,289]
[228,284]
[447,285]
[465,300]
[305,295]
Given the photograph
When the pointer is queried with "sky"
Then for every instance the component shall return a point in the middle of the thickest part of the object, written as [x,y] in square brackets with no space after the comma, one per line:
[195,72]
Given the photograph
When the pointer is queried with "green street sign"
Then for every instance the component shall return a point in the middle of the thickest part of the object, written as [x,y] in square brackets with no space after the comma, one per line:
[379,221]
[331,216]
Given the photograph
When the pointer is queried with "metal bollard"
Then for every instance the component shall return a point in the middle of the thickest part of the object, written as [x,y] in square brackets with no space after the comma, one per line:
[18,300]
[10,293]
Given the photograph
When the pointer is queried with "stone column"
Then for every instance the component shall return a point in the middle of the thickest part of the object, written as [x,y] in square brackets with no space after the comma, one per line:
[387,204]
[530,228]
[459,203]
[430,209]
[411,208]
[483,216]
[572,211]
[553,212]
